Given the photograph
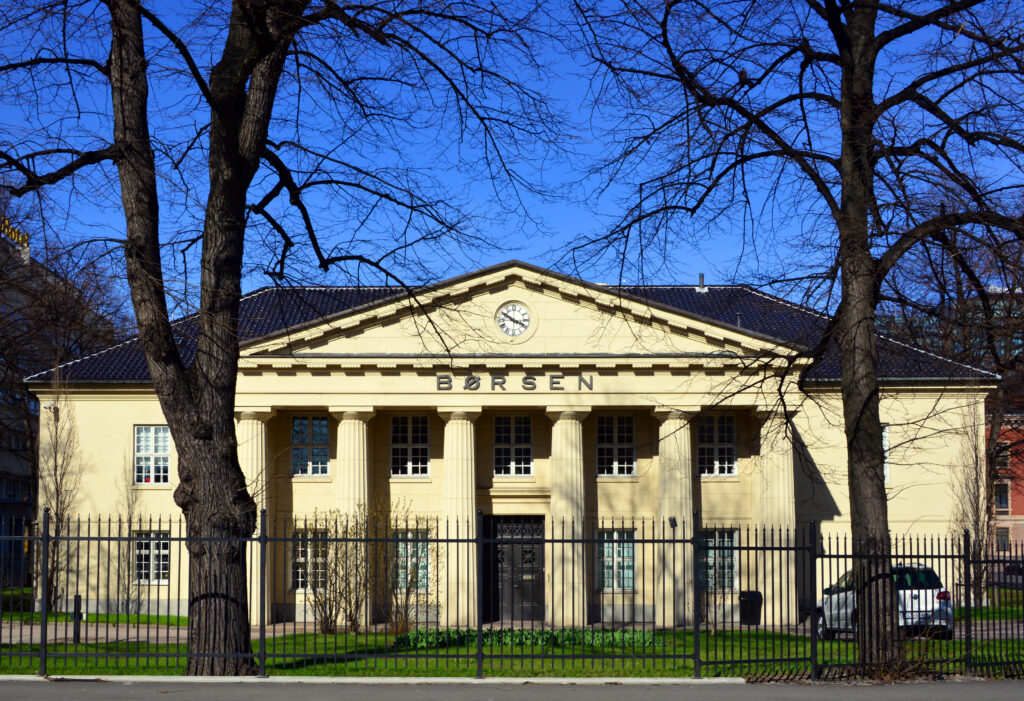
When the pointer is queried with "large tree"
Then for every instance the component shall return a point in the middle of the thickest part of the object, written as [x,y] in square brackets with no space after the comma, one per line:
[273,119]
[847,131]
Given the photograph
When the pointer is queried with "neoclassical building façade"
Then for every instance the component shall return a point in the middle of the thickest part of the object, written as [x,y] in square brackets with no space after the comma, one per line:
[542,400]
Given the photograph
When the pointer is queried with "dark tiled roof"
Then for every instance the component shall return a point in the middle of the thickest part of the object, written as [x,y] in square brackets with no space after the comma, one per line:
[270,310]
[753,310]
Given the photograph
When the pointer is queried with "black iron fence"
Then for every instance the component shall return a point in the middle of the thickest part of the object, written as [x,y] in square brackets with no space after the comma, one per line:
[522,595]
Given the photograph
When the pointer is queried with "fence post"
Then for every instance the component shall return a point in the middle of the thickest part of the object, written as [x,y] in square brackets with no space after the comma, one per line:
[968,600]
[695,565]
[479,594]
[44,605]
[263,592]
[812,533]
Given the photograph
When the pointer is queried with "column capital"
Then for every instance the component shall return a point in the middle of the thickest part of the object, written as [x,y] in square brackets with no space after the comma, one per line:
[559,413]
[456,413]
[360,413]
[675,413]
[254,413]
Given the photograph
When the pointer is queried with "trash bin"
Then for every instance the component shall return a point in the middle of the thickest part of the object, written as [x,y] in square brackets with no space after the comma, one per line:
[750,608]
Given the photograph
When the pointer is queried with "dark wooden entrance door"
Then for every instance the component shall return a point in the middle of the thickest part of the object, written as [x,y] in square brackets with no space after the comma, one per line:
[515,567]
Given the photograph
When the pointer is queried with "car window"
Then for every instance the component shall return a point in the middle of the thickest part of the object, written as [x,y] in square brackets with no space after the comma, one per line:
[916,579]
[844,583]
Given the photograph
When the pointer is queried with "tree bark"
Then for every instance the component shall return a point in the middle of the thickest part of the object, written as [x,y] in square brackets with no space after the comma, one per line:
[198,401]
[878,635]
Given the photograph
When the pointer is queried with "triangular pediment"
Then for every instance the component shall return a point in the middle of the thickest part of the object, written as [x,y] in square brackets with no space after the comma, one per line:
[552,316]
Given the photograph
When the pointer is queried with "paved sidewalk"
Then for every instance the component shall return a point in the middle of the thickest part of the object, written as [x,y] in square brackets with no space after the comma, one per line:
[315,689]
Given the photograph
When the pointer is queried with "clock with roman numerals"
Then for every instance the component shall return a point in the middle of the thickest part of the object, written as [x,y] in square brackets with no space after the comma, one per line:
[513,319]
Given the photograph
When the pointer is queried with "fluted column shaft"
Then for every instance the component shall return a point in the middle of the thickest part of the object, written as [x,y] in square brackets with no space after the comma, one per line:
[568,511]
[353,466]
[673,579]
[251,435]
[458,498]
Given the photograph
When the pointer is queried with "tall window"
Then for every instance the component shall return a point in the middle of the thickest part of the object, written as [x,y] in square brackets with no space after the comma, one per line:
[616,445]
[410,450]
[1002,540]
[513,445]
[152,557]
[1002,456]
[152,454]
[716,568]
[616,560]
[310,449]
[716,445]
[309,552]
[1001,495]
[412,560]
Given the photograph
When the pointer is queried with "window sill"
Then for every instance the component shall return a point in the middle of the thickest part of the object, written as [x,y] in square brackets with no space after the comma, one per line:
[518,479]
[312,478]
[410,478]
[720,478]
[618,478]
[165,583]
[151,485]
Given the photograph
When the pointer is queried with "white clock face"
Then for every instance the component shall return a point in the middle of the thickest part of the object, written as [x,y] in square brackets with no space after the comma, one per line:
[513,319]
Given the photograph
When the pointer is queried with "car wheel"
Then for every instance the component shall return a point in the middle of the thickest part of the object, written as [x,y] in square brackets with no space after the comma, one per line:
[824,632]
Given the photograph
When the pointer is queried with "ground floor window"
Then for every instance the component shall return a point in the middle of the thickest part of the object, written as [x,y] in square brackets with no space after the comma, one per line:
[616,560]
[309,552]
[716,568]
[1002,540]
[412,560]
[152,557]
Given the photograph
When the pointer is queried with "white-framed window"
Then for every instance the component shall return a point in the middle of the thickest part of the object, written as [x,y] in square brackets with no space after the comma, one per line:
[716,569]
[1002,540]
[412,560]
[310,446]
[513,445]
[152,454]
[885,453]
[410,447]
[1001,497]
[616,560]
[309,555]
[152,557]
[616,445]
[716,445]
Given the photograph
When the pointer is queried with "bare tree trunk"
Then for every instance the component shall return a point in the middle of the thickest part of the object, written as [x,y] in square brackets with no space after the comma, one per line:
[878,634]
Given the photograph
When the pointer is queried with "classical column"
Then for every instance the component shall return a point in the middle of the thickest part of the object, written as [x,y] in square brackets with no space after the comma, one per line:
[352,479]
[776,517]
[675,502]
[251,435]
[568,606]
[458,511]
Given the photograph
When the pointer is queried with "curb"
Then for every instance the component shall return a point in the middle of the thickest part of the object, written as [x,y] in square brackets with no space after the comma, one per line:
[389,681]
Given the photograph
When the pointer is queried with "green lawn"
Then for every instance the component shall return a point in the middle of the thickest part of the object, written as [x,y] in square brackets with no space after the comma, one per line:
[564,653]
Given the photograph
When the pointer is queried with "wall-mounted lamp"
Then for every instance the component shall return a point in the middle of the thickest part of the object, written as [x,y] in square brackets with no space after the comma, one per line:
[672,523]
[52,406]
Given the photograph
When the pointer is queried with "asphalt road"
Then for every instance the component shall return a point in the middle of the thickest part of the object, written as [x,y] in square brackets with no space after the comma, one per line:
[31,690]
